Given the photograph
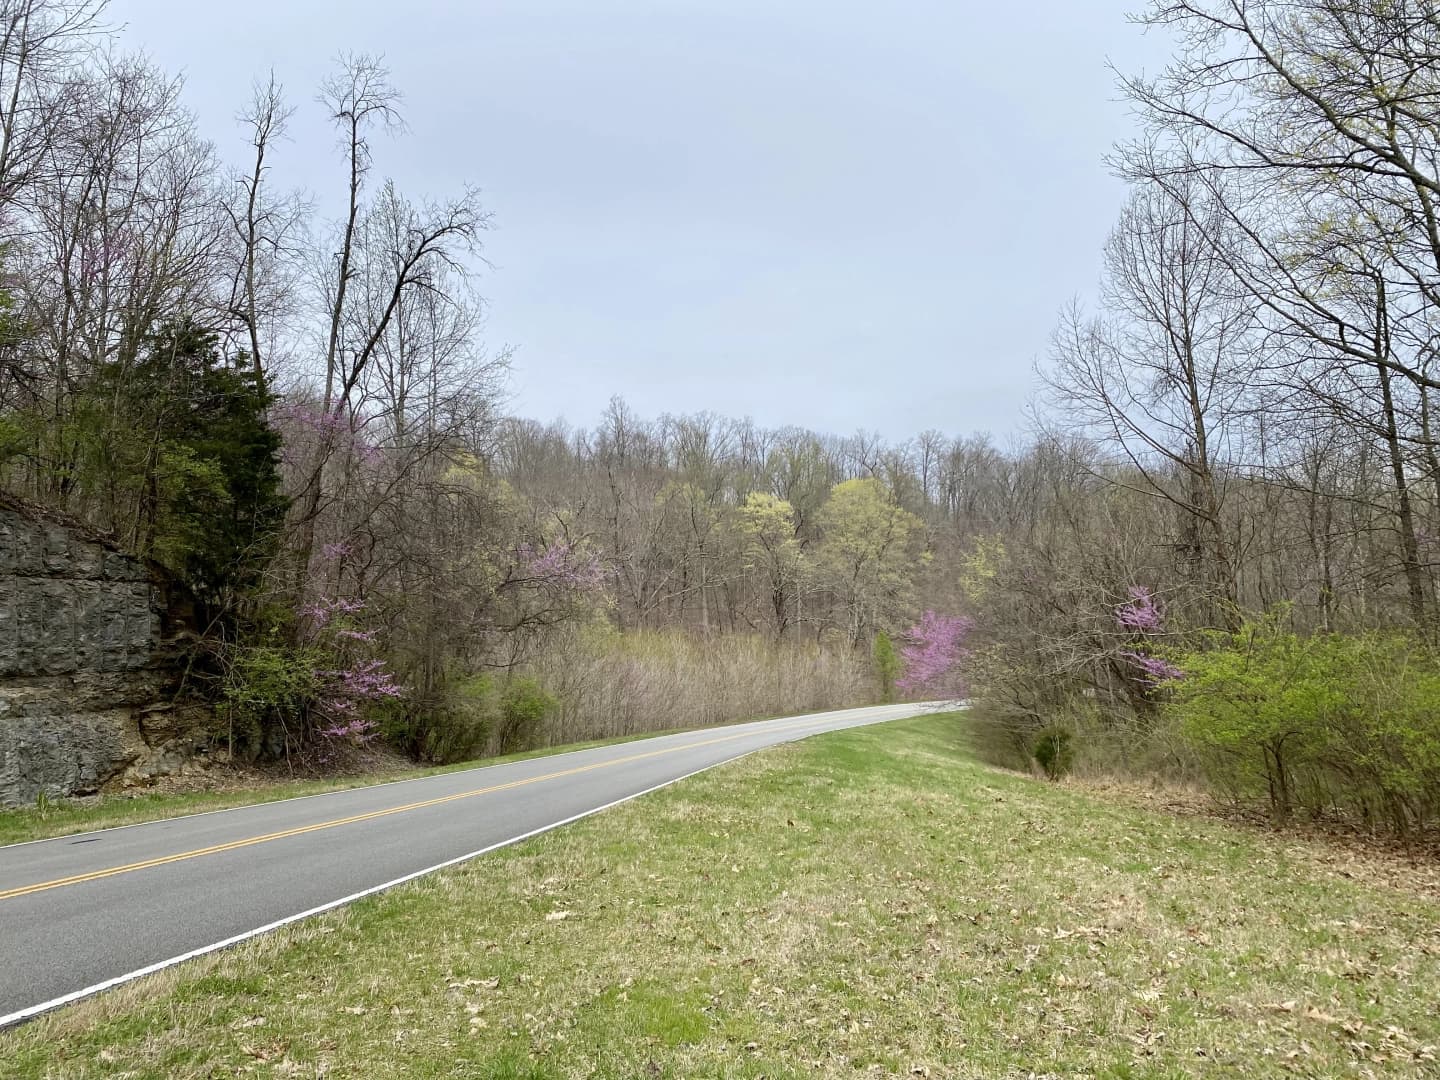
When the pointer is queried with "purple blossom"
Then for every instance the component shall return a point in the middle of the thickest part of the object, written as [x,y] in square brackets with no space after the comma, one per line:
[1143,613]
[323,609]
[367,451]
[97,259]
[1153,669]
[935,648]
[358,730]
[364,680]
[347,690]
[336,429]
[353,679]
[338,550]
[316,420]
[562,564]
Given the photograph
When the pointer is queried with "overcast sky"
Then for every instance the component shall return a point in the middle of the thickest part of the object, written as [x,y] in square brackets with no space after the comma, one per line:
[814,212]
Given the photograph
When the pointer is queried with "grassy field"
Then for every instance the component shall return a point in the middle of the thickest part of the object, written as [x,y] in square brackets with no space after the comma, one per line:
[870,902]
[66,817]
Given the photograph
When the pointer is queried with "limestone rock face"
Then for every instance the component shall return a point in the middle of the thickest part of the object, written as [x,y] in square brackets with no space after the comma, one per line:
[92,647]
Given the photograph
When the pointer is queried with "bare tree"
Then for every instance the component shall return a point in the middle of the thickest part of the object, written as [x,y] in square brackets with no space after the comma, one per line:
[390,251]
[42,44]
[266,230]
[1161,377]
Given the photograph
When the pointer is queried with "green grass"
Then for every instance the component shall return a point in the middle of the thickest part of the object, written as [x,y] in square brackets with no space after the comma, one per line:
[869,902]
[66,817]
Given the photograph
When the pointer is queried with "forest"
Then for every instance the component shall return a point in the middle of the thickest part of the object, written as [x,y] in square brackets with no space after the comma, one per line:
[1211,559]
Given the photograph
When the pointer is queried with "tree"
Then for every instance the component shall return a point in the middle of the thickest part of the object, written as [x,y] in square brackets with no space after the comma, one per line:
[1162,378]
[767,536]
[40,42]
[869,549]
[887,664]
[265,231]
[932,654]
[184,430]
[390,252]
[1314,124]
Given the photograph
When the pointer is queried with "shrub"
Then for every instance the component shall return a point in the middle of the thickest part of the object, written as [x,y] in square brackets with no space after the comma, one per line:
[887,665]
[1347,723]
[456,722]
[1054,752]
[523,708]
[266,693]
[283,689]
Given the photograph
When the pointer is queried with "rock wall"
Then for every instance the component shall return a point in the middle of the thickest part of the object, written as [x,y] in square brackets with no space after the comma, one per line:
[92,649]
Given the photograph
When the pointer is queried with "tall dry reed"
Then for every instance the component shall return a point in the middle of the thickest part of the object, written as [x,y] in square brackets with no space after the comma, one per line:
[609,684]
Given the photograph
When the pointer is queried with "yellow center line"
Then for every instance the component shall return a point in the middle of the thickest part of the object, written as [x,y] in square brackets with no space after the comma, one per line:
[215,849]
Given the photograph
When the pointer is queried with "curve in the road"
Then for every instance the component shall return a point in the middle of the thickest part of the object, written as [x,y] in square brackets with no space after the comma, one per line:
[79,915]
[215,849]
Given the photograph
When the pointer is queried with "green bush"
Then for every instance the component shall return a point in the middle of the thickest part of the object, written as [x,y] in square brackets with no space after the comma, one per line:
[266,693]
[1323,723]
[458,728]
[887,665]
[524,705]
[1054,752]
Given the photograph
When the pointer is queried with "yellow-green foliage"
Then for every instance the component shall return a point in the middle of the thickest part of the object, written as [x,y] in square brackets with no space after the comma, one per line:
[265,682]
[1348,722]
[766,526]
[887,664]
[869,550]
[980,566]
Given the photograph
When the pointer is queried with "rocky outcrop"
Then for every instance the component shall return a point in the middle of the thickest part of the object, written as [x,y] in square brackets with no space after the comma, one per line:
[93,644]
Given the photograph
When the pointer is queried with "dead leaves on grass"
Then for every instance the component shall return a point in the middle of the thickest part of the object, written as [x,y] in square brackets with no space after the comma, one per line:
[1373,1045]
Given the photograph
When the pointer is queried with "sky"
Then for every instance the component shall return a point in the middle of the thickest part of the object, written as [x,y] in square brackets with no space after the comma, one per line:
[826,213]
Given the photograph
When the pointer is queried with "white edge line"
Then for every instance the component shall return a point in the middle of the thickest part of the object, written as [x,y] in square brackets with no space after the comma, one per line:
[33,1011]
[624,741]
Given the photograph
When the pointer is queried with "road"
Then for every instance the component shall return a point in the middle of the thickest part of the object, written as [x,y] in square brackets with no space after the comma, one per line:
[81,913]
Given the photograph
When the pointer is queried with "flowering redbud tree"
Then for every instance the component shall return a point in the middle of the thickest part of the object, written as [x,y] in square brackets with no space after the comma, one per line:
[562,565]
[355,680]
[1142,613]
[932,655]
[1144,616]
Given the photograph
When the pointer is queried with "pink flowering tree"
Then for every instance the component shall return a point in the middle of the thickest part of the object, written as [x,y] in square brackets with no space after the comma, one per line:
[1143,615]
[561,565]
[546,586]
[312,692]
[350,680]
[932,656]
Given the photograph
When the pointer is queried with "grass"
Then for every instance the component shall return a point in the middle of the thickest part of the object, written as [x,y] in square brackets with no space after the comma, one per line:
[869,902]
[66,817]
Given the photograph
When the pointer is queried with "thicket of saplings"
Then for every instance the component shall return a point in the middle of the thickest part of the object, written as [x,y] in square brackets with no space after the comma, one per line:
[1317,726]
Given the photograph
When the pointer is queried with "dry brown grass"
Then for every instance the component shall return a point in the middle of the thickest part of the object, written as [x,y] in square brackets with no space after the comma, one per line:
[611,684]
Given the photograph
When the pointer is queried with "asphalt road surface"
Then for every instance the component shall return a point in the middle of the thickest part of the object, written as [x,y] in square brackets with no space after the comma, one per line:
[81,913]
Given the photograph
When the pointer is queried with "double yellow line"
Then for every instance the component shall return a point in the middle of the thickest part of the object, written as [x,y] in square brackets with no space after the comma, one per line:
[234,845]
